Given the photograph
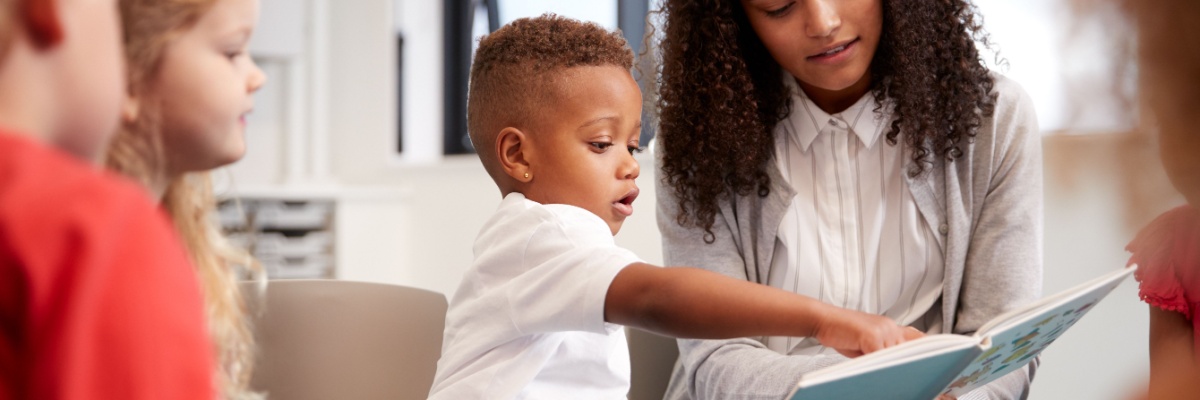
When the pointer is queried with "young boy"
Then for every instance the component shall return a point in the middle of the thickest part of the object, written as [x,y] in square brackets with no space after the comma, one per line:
[555,116]
[97,299]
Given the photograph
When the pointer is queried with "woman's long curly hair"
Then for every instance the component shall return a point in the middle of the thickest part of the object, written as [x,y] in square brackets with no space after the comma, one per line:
[721,94]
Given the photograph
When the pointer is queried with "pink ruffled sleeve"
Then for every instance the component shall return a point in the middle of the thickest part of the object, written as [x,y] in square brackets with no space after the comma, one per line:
[1167,255]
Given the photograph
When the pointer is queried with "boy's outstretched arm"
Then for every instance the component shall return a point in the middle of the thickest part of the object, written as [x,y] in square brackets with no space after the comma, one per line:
[694,303]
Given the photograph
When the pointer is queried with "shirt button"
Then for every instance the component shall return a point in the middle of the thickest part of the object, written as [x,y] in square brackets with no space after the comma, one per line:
[833,122]
[944,229]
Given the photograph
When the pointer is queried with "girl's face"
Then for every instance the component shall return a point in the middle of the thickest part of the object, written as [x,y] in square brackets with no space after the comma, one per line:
[826,44]
[1172,100]
[206,83]
[1179,146]
[1168,84]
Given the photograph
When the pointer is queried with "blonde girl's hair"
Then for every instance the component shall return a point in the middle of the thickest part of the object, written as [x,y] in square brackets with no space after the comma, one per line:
[150,26]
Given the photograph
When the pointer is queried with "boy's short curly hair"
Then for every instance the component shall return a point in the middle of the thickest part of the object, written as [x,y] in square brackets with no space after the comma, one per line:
[516,73]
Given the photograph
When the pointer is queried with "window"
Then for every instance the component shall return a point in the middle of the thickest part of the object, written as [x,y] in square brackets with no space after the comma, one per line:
[466,20]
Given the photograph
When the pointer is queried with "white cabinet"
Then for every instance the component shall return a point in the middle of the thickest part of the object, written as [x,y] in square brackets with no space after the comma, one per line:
[292,238]
[321,232]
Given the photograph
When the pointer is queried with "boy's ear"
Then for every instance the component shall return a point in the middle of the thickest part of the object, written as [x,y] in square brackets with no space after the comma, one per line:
[512,147]
[42,19]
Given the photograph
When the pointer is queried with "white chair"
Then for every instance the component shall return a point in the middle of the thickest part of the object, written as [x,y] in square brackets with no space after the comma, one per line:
[330,339]
[651,358]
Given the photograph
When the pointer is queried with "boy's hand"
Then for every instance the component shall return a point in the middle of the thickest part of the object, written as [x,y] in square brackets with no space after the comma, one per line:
[854,333]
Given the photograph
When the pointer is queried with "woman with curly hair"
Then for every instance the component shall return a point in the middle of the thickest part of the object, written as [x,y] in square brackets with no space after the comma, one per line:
[856,151]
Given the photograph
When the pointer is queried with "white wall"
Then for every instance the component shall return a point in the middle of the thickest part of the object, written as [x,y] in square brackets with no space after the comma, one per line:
[1104,356]
[1065,61]
[362,89]
[445,206]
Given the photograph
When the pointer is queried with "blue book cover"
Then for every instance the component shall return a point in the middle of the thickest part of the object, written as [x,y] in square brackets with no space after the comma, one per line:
[917,369]
[955,364]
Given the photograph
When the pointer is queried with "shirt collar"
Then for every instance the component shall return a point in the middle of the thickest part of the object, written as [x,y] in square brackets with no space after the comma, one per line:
[808,121]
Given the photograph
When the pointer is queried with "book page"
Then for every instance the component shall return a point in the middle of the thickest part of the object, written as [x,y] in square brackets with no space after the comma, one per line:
[1017,337]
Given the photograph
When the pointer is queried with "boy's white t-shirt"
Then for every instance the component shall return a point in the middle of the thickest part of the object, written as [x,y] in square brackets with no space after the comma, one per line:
[527,321]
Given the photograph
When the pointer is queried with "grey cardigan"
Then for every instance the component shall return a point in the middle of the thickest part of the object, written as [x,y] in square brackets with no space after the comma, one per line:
[987,204]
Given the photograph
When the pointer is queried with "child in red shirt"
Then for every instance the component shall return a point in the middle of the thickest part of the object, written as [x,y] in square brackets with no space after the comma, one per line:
[97,299]
[1167,251]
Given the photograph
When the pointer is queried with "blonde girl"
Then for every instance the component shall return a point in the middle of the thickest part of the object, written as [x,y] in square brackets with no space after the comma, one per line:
[191,82]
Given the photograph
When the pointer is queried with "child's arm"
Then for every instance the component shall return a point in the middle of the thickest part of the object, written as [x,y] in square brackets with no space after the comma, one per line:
[1171,351]
[694,303]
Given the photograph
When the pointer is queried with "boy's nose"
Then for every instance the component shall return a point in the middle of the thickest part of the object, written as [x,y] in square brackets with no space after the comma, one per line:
[631,169]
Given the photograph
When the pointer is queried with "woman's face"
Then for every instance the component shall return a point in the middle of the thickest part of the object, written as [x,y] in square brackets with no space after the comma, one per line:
[825,44]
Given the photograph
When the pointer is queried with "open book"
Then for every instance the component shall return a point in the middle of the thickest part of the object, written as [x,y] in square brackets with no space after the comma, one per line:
[956,364]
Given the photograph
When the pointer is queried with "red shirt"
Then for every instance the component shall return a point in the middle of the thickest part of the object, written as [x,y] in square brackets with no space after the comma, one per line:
[1167,253]
[97,298]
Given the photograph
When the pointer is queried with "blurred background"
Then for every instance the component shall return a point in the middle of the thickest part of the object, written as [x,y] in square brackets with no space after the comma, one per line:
[358,167]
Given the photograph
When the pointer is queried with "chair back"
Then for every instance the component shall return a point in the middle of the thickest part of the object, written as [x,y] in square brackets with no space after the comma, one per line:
[652,359]
[331,339]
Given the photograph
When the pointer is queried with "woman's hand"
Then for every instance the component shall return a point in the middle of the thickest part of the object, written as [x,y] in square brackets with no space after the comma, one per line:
[854,333]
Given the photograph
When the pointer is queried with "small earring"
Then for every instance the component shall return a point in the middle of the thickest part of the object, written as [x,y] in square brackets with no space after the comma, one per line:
[526,175]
